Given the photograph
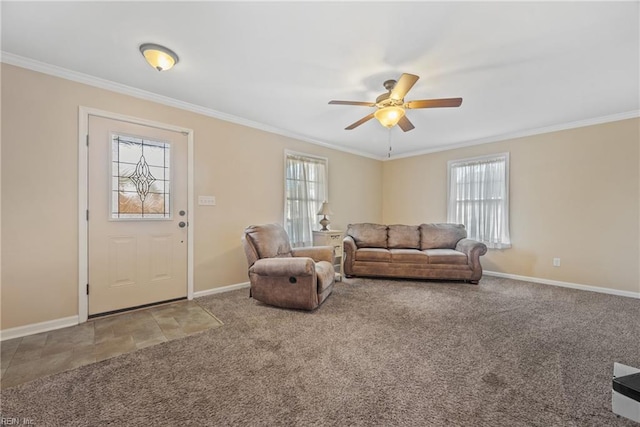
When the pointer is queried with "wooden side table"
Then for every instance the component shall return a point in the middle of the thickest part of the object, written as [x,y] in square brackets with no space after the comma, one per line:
[331,238]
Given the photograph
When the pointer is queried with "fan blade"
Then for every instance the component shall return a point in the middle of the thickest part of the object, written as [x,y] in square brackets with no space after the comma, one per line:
[359,122]
[403,86]
[434,103]
[364,104]
[405,124]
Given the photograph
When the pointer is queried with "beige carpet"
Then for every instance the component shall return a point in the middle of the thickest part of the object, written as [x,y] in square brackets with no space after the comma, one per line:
[378,352]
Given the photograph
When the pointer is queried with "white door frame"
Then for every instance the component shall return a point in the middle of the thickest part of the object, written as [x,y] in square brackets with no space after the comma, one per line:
[83,184]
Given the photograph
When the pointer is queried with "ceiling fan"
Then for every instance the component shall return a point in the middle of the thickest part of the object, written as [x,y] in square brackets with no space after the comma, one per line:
[391,105]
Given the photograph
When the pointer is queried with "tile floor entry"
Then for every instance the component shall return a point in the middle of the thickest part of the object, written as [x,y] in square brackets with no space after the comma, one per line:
[34,356]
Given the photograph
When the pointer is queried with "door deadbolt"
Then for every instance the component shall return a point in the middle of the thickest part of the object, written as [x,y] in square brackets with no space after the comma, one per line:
[182,213]
[182,224]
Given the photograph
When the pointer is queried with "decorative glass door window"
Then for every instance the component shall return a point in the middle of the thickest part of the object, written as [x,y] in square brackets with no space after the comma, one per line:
[140,183]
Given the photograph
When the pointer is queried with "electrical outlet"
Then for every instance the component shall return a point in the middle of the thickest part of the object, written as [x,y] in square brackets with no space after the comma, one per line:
[206,200]
[556,262]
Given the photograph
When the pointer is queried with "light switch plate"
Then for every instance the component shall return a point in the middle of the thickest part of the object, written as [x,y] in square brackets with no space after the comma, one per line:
[206,200]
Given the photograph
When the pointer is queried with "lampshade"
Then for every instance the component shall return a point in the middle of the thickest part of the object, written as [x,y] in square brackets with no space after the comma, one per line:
[389,116]
[159,57]
[325,209]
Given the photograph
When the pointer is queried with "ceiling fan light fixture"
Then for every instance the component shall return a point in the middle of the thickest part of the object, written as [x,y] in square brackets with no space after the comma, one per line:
[159,57]
[390,106]
[389,116]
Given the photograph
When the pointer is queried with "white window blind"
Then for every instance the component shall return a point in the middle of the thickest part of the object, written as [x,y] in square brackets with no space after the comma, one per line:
[305,190]
[479,198]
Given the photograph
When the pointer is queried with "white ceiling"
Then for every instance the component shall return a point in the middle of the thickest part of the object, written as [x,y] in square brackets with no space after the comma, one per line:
[518,66]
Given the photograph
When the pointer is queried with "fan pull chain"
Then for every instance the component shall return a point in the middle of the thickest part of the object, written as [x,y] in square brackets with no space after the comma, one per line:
[389,153]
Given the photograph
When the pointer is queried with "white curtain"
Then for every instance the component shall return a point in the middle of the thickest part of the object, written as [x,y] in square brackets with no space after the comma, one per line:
[479,198]
[305,190]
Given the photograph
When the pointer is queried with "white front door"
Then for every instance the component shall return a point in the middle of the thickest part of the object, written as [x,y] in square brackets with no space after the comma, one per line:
[137,227]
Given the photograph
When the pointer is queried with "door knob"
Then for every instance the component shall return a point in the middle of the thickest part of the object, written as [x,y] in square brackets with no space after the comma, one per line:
[182,224]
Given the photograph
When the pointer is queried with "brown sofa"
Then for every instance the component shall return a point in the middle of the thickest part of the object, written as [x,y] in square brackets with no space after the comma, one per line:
[426,251]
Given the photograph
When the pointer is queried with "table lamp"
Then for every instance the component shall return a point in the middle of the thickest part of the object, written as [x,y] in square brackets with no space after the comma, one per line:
[324,211]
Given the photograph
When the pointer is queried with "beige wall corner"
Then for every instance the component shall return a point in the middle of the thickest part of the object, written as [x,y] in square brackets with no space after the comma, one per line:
[574,195]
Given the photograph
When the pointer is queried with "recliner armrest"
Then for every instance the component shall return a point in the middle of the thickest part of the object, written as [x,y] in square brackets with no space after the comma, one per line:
[317,253]
[287,266]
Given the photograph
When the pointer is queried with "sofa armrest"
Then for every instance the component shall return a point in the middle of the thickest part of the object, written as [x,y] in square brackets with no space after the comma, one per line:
[317,253]
[283,267]
[348,254]
[474,250]
[349,244]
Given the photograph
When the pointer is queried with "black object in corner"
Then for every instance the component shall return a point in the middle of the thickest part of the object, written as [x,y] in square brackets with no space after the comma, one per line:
[628,385]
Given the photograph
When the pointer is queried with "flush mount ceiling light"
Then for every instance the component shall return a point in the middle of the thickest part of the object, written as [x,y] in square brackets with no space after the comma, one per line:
[159,57]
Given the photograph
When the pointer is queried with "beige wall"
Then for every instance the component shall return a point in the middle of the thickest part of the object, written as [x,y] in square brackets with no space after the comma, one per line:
[242,167]
[574,195]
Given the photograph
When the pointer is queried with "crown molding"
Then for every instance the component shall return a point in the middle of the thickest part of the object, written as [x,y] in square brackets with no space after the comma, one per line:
[54,70]
[520,134]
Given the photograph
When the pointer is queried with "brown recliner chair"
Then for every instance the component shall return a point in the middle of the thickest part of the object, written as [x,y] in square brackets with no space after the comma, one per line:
[284,276]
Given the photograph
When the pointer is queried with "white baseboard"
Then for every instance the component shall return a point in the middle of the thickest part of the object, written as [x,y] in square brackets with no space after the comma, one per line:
[36,328]
[221,289]
[50,325]
[565,284]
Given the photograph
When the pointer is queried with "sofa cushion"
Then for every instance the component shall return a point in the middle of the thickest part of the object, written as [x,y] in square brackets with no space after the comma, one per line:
[404,237]
[446,256]
[441,236]
[413,256]
[270,240]
[368,235]
[373,254]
